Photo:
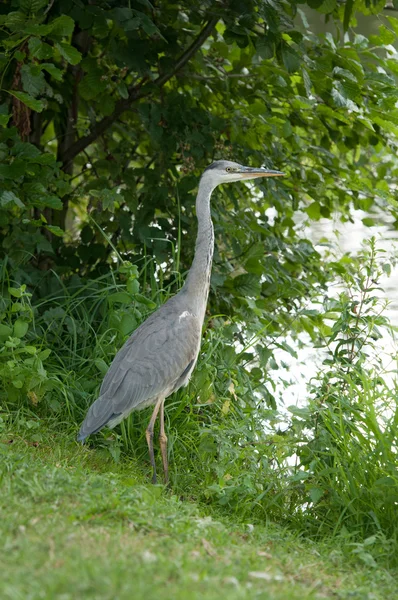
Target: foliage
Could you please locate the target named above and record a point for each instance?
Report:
(329, 468)
(348, 457)
(331, 465)
(21, 362)
(116, 132)
(74, 330)
(109, 112)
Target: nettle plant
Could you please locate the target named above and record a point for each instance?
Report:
(345, 438)
(334, 466)
(58, 348)
(113, 111)
(22, 355)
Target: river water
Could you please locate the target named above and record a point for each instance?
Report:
(344, 238)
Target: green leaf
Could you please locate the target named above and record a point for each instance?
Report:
(32, 6)
(303, 413)
(385, 37)
(37, 29)
(29, 101)
(20, 328)
(7, 197)
(314, 211)
(62, 26)
(92, 84)
(122, 14)
(55, 230)
(147, 25)
(26, 150)
(387, 269)
(4, 115)
(285, 346)
(33, 81)
(307, 82)
(51, 202)
(133, 286)
(108, 198)
(127, 324)
(15, 21)
(146, 3)
(119, 298)
(339, 98)
(101, 366)
(16, 292)
(107, 104)
(132, 24)
(229, 356)
(265, 47)
(5, 330)
(114, 450)
(368, 222)
(300, 476)
(290, 58)
(32, 350)
(39, 49)
(327, 6)
(52, 70)
(247, 284)
(14, 170)
(122, 90)
(351, 90)
(316, 494)
(68, 52)
(393, 20)
(144, 300)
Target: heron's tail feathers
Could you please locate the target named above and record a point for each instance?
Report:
(99, 414)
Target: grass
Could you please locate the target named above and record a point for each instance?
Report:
(75, 524)
(81, 522)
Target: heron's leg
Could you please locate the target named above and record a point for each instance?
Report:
(163, 445)
(149, 436)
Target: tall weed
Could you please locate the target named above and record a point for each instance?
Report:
(329, 467)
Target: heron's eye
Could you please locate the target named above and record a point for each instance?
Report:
(229, 169)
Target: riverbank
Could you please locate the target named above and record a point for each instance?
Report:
(77, 525)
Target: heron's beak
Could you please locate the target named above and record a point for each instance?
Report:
(251, 173)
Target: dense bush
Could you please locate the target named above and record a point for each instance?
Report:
(109, 112)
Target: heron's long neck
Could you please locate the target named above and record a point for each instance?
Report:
(198, 281)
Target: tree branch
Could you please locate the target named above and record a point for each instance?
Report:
(135, 94)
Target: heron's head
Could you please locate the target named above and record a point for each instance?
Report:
(224, 171)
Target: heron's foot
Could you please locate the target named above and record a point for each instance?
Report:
(163, 448)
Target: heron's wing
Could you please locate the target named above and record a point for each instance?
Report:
(154, 361)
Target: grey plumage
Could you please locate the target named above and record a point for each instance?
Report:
(153, 361)
(161, 354)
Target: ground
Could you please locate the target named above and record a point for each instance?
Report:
(76, 525)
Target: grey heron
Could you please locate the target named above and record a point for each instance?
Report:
(160, 355)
